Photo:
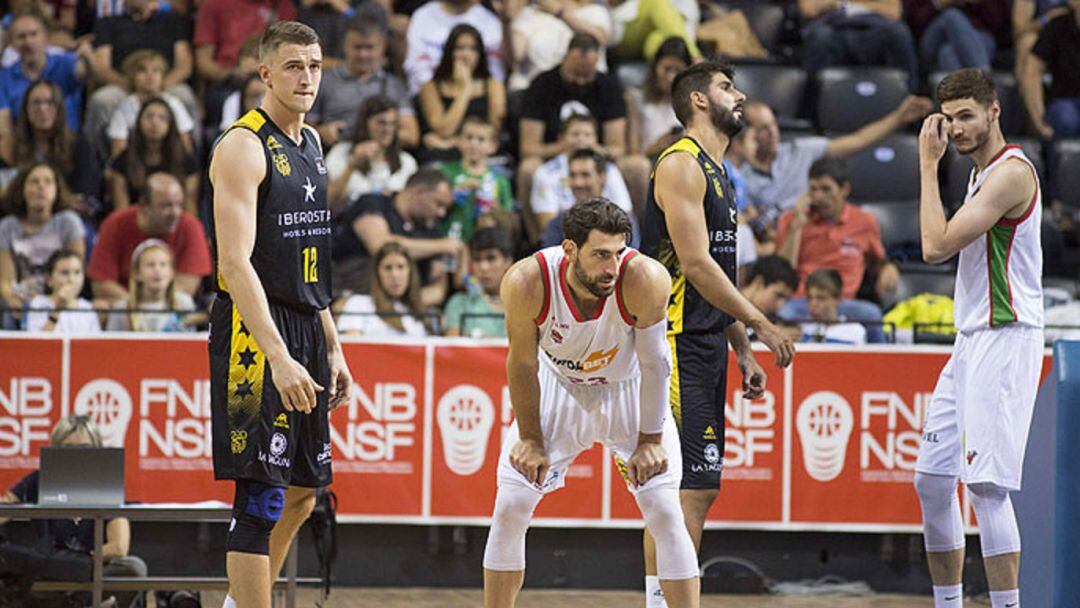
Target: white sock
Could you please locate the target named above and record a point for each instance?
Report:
(1005, 599)
(654, 595)
(229, 602)
(949, 596)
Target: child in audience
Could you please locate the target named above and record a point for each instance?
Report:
(393, 308)
(823, 300)
(151, 292)
(60, 309)
(477, 187)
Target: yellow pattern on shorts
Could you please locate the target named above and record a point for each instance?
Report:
(247, 367)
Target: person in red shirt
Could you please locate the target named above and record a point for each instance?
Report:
(825, 231)
(160, 214)
(222, 26)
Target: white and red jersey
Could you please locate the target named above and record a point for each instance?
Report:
(999, 278)
(594, 351)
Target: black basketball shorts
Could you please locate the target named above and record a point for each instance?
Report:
(698, 386)
(255, 437)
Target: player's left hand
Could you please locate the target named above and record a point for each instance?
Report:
(648, 460)
(340, 379)
(753, 377)
(934, 138)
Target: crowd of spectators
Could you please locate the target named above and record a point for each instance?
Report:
(458, 132)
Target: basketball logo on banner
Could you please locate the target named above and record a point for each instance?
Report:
(465, 415)
(824, 422)
(108, 404)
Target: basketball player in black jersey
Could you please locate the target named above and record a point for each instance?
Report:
(690, 225)
(276, 365)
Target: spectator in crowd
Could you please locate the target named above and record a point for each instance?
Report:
(1029, 17)
(575, 87)
(857, 32)
(67, 70)
(361, 75)
(551, 191)
(145, 71)
(246, 98)
(478, 311)
(641, 26)
(372, 160)
(331, 18)
(776, 170)
(410, 218)
(60, 309)
(160, 214)
(223, 26)
(769, 283)
(153, 302)
(1057, 52)
(824, 230)
(823, 301)
(430, 27)
(65, 552)
(142, 26)
(541, 31)
(477, 187)
(652, 122)
(462, 86)
(155, 146)
(42, 133)
(956, 34)
(587, 169)
(39, 224)
(395, 307)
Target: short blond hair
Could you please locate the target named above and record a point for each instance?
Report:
(285, 32)
(69, 425)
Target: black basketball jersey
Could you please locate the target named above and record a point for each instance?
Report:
(688, 311)
(292, 235)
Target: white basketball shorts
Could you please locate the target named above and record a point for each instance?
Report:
(980, 413)
(574, 417)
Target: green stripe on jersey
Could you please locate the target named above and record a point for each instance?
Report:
(999, 240)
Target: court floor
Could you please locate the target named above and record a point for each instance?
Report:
(470, 598)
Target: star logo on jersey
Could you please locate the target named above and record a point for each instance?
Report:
(309, 190)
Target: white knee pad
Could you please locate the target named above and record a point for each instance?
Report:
(997, 521)
(514, 506)
(943, 526)
(675, 555)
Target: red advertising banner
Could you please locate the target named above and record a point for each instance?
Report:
(832, 444)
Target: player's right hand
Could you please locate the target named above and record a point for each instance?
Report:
(529, 458)
(294, 384)
(777, 342)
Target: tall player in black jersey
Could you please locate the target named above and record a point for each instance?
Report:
(276, 365)
(690, 225)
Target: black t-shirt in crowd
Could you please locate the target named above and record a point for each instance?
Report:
(1059, 46)
(551, 100)
(125, 35)
(347, 244)
(67, 534)
(120, 165)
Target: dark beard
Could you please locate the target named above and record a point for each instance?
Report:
(980, 141)
(725, 120)
(593, 286)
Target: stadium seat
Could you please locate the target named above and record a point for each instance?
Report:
(766, 19)
(958, 170)
(780, 86)
(1012, 106)
(898, 220)
(1067, 172)
(849, 98)
(888, 170)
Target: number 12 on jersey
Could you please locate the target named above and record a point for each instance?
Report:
(311, 264)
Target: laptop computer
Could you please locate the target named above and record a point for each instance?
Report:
(81, 476)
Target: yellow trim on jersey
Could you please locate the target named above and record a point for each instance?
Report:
(675, 306)
(675, 390)
(683, 145)
(253, 120)
(247, 369)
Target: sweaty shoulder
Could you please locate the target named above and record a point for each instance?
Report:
(523, 287)
(1015, 179)
(646, 286)
(678, 176)
(238, 152)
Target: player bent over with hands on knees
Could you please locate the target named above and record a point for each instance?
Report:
(588, 362)
(977, 424)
